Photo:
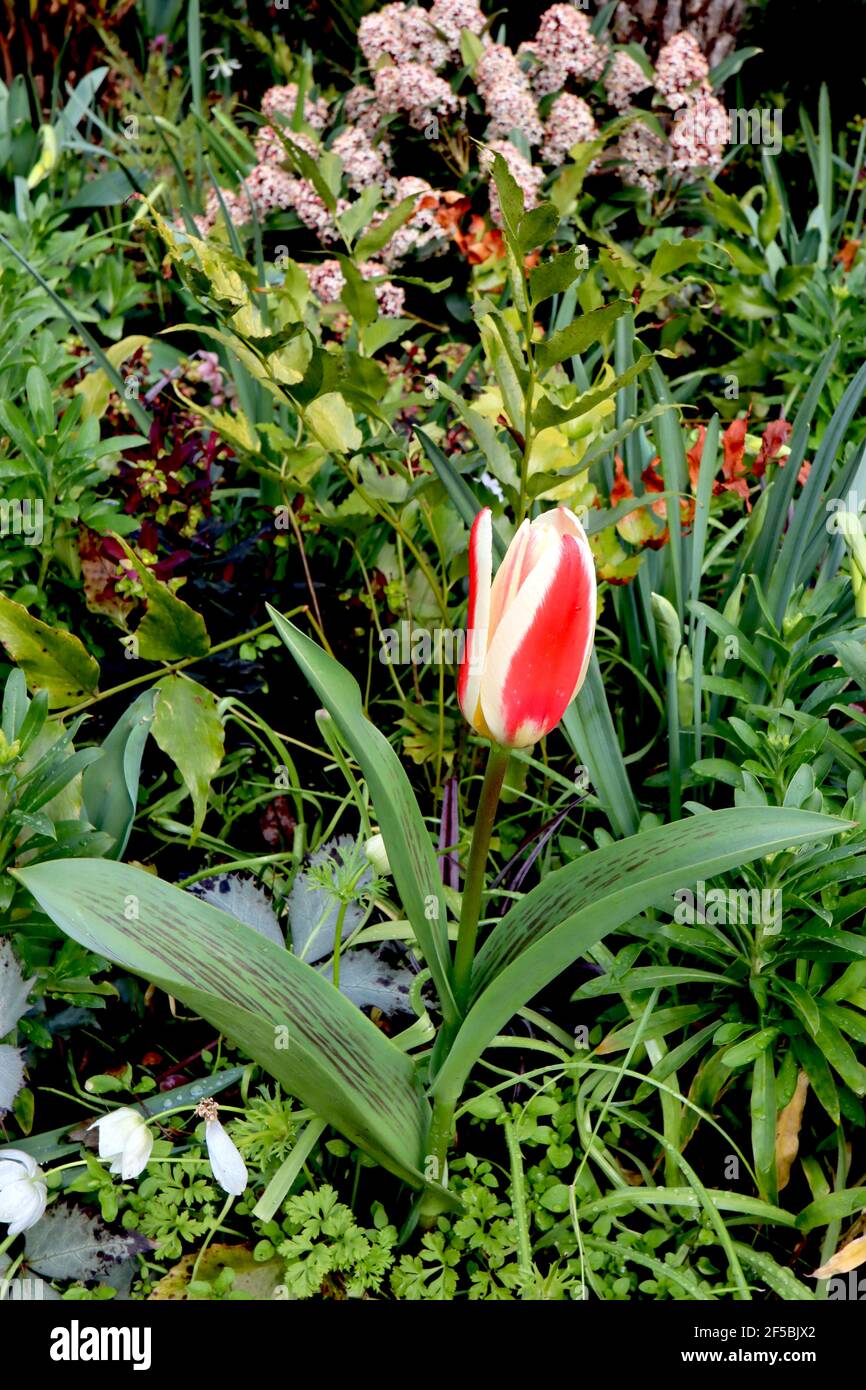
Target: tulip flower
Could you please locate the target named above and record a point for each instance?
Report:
(530, 629)
(228, 1167)
(23, 1192)
(125, 1139)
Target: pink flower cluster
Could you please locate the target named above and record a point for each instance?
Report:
(416, 91)
(283, 101)
(359, 108)
(645, 156)
(450, 17)
(409, 34)
(701, 130)
(363, 162)
(570, 122)
(507, 95)
(403, 34)
(681, 70)
(623, 79)
(327, 282)
(563, 47)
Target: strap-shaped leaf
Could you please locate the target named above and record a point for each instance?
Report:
(276, 1008)
(410, 850)
(575, 907)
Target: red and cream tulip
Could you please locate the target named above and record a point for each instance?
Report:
(530, 630)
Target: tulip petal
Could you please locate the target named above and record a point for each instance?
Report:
(509, 576)
(478, 617)
(538, 657)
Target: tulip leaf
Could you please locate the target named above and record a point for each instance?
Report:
(575, 907)
(278, 1010)
(109, 786)
(407, 841)
(588, 726)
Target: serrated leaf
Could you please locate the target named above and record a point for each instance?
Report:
(72, 1244)
(333, 423)
(14, 989)
(581, 334)
(245, 899)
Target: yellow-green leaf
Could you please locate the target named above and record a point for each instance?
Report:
(333, 423)
(50, 658)
(170, 629)
(188, 729)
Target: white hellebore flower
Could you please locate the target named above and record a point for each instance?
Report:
(228, 1167)
(23, 1193)
(125, 1139)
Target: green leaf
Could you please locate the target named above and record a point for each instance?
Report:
(51, 659)
(575, 907)
(359, 298)
(188, 729)
(277, 1009)
(333, 423)
(726, 210)
(671, 255)
(763, 1109)
(379, 236)
(770, 219)
(750, 302)
(537, 227)
(792, 279)
(39, 401)
(407, 840)
(836, 1206)
(548, 413)
(170, 629)
(499, 459)
(778, 1278)
(109, 787)
(510, 194)
(589, 728)
(579, 335)
(458, 490)
(554, 276)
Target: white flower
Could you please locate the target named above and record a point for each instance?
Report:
(125, 1139)
(23, 1193)
(223, 67)
(375, 850)
(228, 1167)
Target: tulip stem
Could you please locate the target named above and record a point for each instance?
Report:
(473, 886)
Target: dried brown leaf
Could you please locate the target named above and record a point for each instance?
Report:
(851, 1256)
(788, 1131)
